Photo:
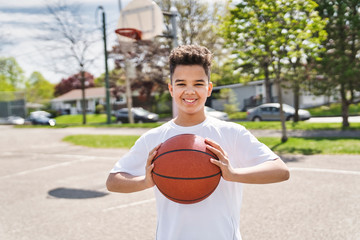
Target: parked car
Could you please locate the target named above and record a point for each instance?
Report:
(216, 114)
(41, 118)
(271, 112)
(140, 115)
(14, 120)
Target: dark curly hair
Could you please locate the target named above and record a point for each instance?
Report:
(190, 55)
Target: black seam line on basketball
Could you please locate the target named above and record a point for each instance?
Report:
(190, 200)
(189, 150)
(182, 178)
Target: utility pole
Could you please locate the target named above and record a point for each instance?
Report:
(108, 106)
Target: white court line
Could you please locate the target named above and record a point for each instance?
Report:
(84, 158)
(43, 168)
(56, 155)
(129, 205)
(322, 170)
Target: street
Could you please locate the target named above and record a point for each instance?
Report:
(51, 189)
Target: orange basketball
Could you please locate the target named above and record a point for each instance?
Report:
(183, 171)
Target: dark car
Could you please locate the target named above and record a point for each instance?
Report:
(41, 118)
(140, 115)
(271, 112)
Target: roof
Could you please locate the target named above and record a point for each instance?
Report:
(76, 94)
(237, 85)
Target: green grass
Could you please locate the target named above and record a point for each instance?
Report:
(310, 146)
(238, 115)
(102, 141)
(305, 146)
(333, 110)
(77, 119)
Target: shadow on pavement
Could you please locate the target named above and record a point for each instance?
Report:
(70, 193)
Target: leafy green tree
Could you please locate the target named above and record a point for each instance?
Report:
(341, 62)
(5, 86)
(232, 105)
(268, 35)
(38, 89)
(11, 75)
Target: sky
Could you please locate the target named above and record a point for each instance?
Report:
(21, 24)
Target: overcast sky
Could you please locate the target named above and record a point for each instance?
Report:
(21, 22)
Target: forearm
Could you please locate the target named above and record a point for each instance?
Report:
(267, 172)
(125, 183)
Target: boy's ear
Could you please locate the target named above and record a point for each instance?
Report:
(170, 89)
(210, 88)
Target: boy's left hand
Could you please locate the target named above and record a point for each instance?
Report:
(223, 163)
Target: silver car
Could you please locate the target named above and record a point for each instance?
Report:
(271, 112)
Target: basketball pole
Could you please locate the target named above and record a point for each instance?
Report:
(175, 44)
(173, 14)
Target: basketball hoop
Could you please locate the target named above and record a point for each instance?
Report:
(129, 33)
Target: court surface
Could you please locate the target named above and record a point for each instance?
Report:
(50, 189)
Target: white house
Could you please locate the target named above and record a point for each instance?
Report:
(253, 94)
(70, 102)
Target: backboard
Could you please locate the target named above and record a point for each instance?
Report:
(143, 15)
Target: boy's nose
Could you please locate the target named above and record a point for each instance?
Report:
(189, 90)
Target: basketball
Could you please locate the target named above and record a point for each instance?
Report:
(182, 169)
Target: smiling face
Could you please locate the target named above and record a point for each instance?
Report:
(190, 88)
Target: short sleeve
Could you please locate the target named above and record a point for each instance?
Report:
(253, 152)
(134, 161)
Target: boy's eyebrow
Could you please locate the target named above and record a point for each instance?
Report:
(179, 80)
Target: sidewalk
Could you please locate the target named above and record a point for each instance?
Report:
(301, 133)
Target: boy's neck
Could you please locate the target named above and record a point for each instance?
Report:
(186, 120)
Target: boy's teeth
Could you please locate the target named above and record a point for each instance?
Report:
(190, 101)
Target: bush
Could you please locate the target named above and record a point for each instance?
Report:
(99, 109)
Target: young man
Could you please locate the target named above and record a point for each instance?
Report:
(242, 158)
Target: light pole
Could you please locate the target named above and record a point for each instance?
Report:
(108, 106)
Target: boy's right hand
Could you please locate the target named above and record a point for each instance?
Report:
(149, 182)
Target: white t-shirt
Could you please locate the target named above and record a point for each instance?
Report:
(218, 216)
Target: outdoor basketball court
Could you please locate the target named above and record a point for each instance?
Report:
(54, 190)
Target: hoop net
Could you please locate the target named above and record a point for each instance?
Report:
(130, 33)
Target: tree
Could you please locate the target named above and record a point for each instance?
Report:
(38, 89)
(197, 22)
(340, 64)
(11, 75)
(116, 82)
(149, 59)
(270, 35)
(74, 82)
(70, 41)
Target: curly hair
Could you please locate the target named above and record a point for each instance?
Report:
(190, 55)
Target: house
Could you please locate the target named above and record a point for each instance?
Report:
(253, 94)
(70, 102)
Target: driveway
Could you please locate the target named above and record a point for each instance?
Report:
(50, 189)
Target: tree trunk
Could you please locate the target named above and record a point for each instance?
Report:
(83, 99)
(344, 107)
(284, 137)
(128, 92)
(296, 100)
(267, 84)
